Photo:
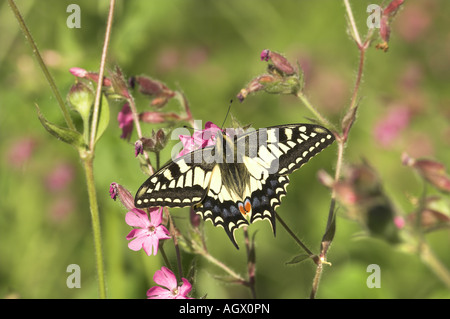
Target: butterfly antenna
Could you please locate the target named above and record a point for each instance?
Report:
(228, 112)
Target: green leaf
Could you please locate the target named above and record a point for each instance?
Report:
(103, 118)
(64, 134)
(329, 233)
(298, 259)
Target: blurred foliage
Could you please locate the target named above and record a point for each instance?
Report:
(210, 50)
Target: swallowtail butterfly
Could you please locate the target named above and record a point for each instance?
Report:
(240, 179)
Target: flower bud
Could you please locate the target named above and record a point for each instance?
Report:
(138, 148)
(151, 117)
(285, 85)
(82, 73)
(155, 143)
(161, 93)
(386, 18)
(430, 219)
(81, 98)
(279, 62)
(119, 84)
(432, 171)
(124, 195)
(125, 119)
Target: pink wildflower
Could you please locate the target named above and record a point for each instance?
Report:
(125, 119)
(166, 278)
(388, 128)
(199, 139)
(148, 232)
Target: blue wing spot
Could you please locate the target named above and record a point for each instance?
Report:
(256, 203)
(234, 210)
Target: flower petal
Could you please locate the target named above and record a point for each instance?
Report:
(166, 278)
(185, 288)
(137, 218)
(156, 217)
(159, 293)
(151, 244)
(137, 243)
(161, 232)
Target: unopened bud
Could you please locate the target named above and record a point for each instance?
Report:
(153, 144)
(125, 197)
(279, 62)
(81, 98)
(433, 171)
(119, 84)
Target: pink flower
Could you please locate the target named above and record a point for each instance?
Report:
(388, 128)
(199, 139)
(60, 177)
(166, 278)
(78, 72)
(21, 151)
(82, 73)
(148, 233)
(125, 119)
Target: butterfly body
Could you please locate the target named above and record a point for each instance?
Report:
(240, 179)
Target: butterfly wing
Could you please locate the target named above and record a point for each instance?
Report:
(283, 149)
(220, 207)
(280, 151)
(182, 182)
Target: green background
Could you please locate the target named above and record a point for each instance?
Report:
(210, 50)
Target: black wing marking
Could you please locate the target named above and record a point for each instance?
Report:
(180, 183)
(222, 210)
(283, 149)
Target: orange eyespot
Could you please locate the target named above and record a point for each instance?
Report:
(245, 207)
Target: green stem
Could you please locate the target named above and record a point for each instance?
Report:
(95, 219)
(341, 145)
(435, 264)
(297, 240)
(98, 94)
(251, 260)
(352, 24)
(316, 113)
(166, 260)
(42, 65)
(199, 249)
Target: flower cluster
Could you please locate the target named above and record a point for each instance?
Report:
(146, 234)
(387, 16)
(282, 77)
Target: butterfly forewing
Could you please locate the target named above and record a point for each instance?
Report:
(179, 183)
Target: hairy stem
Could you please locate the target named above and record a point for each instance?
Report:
(251, 263)
(42, 65)
(95, 220)
(101, 73)
(341, 140)
(316, 113)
